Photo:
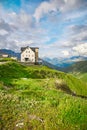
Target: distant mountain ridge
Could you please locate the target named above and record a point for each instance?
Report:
(10, 53)
(50, 65)
(64, 62)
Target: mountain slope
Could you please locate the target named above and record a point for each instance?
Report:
(80, 66)
(50, 65)
(40, 98)
(14, 70)
(79, 69)
(64, 62)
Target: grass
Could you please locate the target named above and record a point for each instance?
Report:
(6, 59)
(82, 76)
(79, 69)
(29, 99)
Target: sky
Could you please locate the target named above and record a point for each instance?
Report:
(57, 27)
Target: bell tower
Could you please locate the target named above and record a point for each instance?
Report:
(36, 54)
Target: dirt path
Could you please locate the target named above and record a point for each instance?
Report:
(3, 62)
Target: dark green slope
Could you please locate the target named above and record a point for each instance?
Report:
(79, 69)
(13, 70)
(80, 66)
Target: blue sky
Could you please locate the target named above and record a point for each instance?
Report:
(57, 27)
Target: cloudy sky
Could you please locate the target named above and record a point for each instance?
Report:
(57, 27)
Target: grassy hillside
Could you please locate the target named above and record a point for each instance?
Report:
(39, 98)
(80, 66)
(83, 76)
(79, 69)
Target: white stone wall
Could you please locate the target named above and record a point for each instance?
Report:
(4, 55)
(28, 53)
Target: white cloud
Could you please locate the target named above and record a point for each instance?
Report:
(62, 6)
(46, 7)
(21, 20)
(74, 35)
(81, 49)
(20, 30)
(3, 32)
(65, 53)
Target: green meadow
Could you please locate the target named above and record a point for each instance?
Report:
(40, 98)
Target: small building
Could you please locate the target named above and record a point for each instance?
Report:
(29, 54)
(2, 55)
